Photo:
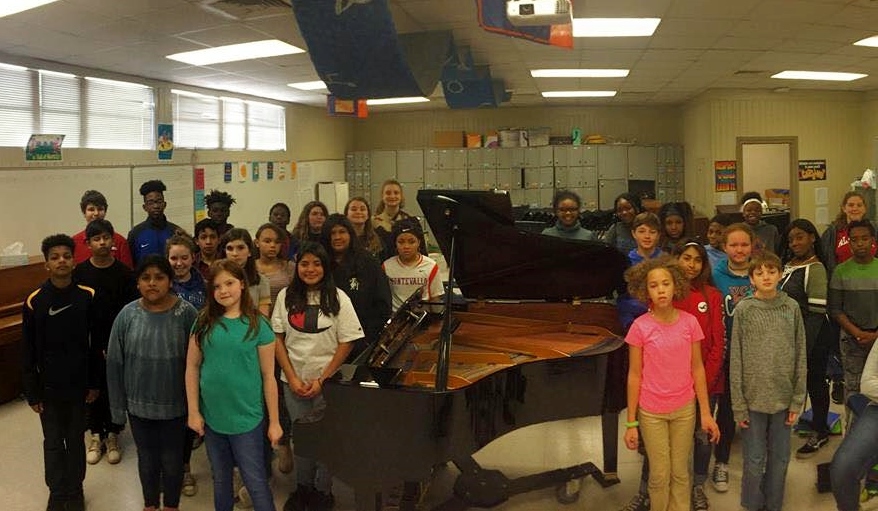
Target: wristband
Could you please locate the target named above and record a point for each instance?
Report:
(632, 424)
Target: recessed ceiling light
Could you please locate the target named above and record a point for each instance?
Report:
(579, 94)
(236, 52)
(315, 85)
(9, 7)
(614, 27)
(819, 75)
(579, 73)
(395, 101)
(869, 41)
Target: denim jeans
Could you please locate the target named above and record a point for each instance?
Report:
(63, 422)
(766, 456)
(703, 447)
(309, 472)
(246, 450)
(854, 457)
(668, 439)
(159, 458)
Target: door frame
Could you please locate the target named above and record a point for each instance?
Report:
(793, 144)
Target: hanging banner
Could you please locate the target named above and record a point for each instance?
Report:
(44, 148)
(726, 175)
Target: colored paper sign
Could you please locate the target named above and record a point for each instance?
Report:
(269, 171)
(812, 170)
(227, 172)
(242, 172)
(44, 148)
(726, 175)
(166, 141)
(255, 173)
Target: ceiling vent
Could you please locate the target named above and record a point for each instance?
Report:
(243, 10)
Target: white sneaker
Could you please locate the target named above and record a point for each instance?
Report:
(190, 486)
(720, 478)
(93, 453)
(114, 454)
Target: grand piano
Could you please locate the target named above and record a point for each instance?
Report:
(535, 343)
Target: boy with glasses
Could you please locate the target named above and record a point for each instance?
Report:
(150, 236)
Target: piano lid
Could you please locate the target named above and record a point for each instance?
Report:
(497, 260)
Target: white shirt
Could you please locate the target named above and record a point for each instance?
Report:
(405, 279)
(311, 337)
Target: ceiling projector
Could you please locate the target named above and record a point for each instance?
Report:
(530, 13)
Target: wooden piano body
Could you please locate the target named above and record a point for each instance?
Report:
(512, 363)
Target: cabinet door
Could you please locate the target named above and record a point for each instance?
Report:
(581, 177)
(561, 155)
(410, 165)
(562, 178)
(510, 158)
(583, 155)
(350, 162)
(489, 158)
(452, 158)
(609, 189)
(678, 156)
(641, 163)
(474, 158)
(612, 162)
(532, 178)
(547, 177)
(458, 179)
(489, 179)
(509, 179)
(532, 197)
(517, 197)
(532, 157)
(431, 158)
(365, 160)
(546, 197)
(589, 197)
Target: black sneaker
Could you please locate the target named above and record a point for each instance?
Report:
(699, 499)
(300, 499)
(837, 393)
(814, 443)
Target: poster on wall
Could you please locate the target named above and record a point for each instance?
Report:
(269, 171)
(44, 148)
(812, 170)
(227, 172)
(166, 141)
(726, 175)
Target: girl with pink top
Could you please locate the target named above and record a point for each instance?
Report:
(665, 377)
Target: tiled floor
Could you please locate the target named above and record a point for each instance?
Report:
(529, 450)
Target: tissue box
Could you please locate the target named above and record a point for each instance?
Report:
(13, 260)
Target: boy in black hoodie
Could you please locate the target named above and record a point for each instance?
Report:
(59, 373)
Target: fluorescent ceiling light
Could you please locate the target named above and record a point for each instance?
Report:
(10, 7)
(395, 101)
(614, 27)
(819, 75)
(315, 85)
(579, 94)
(579, 73)
(869, 41)
(236, 52)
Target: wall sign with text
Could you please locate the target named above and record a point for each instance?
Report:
(812, 170)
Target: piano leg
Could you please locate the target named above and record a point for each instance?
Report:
(610, 428)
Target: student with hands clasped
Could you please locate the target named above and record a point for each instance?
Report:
(316, 325)
(767, 371)
(229, 384)
(665, 377)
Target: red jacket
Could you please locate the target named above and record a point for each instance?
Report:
(709, 313)
(121, 251)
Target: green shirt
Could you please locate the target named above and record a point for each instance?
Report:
(854, 291)
(231, 379)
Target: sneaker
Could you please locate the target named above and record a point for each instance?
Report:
(285, 459)
(699, 499)
(299, 500)
(814, 443)
(837, 393)
(94, 452)
(114, 455)
(640, 502)
(190, 486)
(720, 477)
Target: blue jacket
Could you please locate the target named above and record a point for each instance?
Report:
(149, 237)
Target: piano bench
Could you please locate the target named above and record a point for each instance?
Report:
(10, 352)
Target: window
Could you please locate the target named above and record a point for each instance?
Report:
(60, 106)
(266, 127)
(118, 115)
(209, 122)
(196, 120)
(17, 121)
(234, 124)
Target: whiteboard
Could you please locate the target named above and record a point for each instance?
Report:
(38, 202)
(179, 196)
(253, 199)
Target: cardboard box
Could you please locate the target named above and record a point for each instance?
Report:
(449, 139)
(473, 140)
(538, 136)
(511, 138)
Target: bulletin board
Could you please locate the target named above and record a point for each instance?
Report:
(36, 202)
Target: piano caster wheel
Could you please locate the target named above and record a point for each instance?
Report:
(568, 493)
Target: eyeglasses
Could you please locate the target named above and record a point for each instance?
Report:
(568, 210)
